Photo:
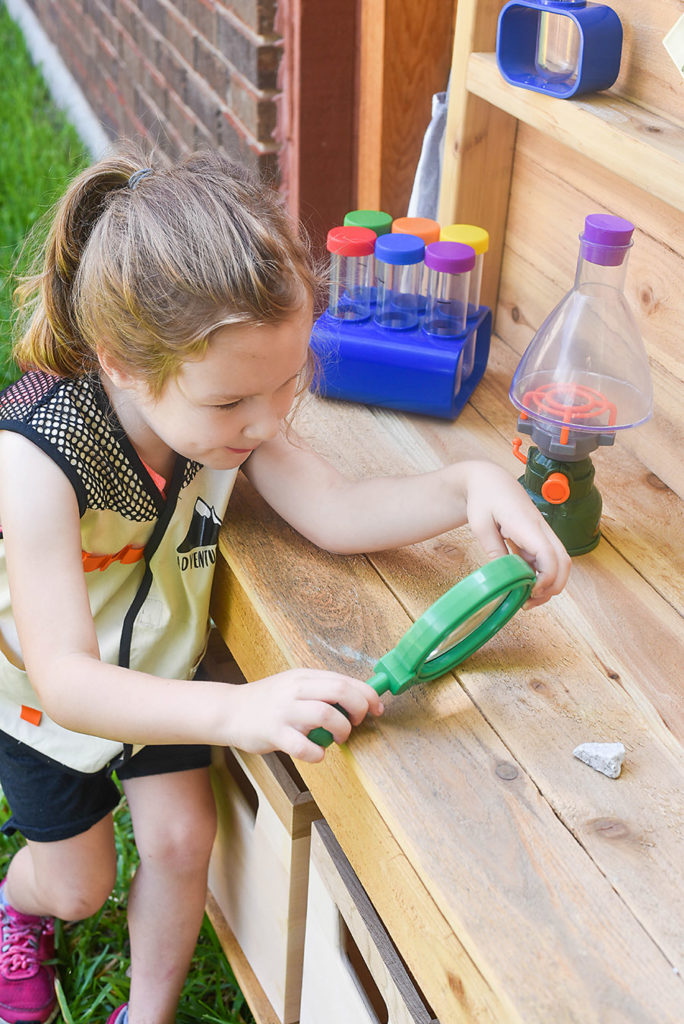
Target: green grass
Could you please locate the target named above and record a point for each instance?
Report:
(39, 153)
(93, 957)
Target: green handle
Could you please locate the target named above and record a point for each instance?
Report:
(322, 736)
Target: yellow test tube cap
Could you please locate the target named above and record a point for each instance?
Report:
(468, 234)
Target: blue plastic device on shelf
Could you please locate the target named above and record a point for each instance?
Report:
(408, 370)
(559, 47)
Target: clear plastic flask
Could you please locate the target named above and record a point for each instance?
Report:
(351, 264)
(399, 271)
(586, 368)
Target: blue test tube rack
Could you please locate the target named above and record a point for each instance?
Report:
(406, 370)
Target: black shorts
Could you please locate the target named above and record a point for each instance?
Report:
(50, 802)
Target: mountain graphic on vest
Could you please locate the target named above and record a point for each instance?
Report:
(204, 529)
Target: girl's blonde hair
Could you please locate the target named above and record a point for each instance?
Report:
(145, 270)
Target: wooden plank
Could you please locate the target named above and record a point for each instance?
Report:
(291, 801)
(258, 877)
(563, 693)
(543, 171)
(262, 1010)
(451, 981)
(352, 628)
(404, 59)
(369, 168)
(364, 982)
(243, 625)
(431, 761)
(647, 74)
(642, 147)
(506, 867)
(478, 147)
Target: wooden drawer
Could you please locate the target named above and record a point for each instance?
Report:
(259, 870)
(352, 971)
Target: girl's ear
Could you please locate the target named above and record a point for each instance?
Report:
(119, 377)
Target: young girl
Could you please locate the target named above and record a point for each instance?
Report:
(165, 343)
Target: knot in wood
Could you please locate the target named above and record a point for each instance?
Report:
(609, 828)
(654, 481)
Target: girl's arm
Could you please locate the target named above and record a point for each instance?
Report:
(378, 513)
(40, 520)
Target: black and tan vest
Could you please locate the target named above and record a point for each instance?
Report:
(148, 559)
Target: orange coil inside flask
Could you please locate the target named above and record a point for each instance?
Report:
(574, 404)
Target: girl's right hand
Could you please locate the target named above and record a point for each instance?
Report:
(278, 713)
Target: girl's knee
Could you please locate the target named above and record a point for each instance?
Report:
(78, 899)
(182, 844)
(72, 877)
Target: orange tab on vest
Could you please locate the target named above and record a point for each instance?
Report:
(30, 715)
(126, 556)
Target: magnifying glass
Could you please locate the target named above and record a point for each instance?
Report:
(451, 629)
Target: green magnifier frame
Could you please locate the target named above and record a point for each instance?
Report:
(451, 629)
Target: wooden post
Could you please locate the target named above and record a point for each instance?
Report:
(478, 146)
(404, 59)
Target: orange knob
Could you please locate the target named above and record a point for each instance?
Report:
(517, 441)
(556, 488)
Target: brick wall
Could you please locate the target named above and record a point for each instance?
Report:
(181, 74)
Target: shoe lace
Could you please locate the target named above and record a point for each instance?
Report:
(20, 942)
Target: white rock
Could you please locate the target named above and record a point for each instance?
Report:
(604, 757)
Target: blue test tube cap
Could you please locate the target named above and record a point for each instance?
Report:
(400, 250)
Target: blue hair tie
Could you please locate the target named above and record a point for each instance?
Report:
(138, 176)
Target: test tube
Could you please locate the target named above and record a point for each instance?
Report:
(478, 239)
(351, 252)
(423, 227)
(558, 44)
(449, 265)
(379, 222)
(376, 220)
(399, 269)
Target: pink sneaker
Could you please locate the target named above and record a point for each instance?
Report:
(27, 984)
(115, 1016)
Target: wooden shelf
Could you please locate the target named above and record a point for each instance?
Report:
(645, 149)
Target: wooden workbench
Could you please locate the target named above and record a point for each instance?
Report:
(518, 884)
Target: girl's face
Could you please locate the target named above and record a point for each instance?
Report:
(221, 407)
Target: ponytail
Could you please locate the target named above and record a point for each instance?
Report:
(51, 339)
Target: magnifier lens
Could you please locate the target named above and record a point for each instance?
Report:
(452, 628)
(466, 628)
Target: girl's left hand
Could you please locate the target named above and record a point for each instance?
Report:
(503, 518)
